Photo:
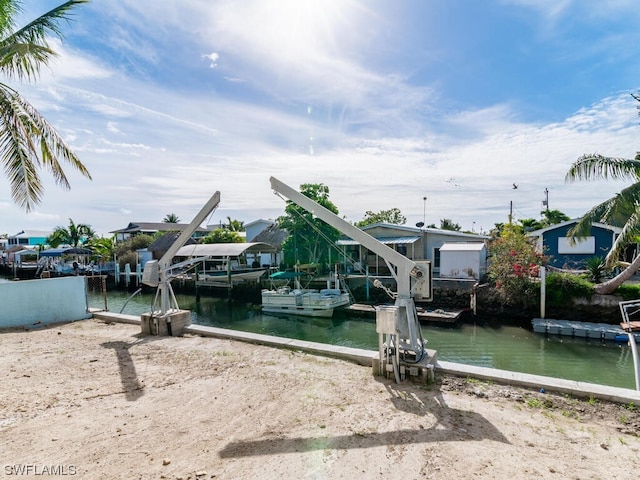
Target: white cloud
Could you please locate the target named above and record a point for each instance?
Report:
(213, 57)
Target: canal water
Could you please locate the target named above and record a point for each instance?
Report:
(507, 348)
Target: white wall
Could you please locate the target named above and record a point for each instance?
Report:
(25, 303)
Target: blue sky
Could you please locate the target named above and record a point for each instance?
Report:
(385, 102)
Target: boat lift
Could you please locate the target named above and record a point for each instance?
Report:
(628, 309)
(404, 351)
(169, 319)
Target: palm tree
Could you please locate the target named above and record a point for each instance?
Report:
(235, 225)
(28, 143)
(171, 218)
(623, 209)
(102, 247)
(74, 235)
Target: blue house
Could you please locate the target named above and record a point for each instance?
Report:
(554, 243)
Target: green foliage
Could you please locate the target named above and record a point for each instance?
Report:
(597, 268)
(104, 248)
(552, 217)
(127, 250)
(514, 265)
(171, 218)
(448, 224)
(310, 239)
(393, 216)
(562, 288)
(223, 235)
(549, 217)
(628, 291)
(73, 235)
(234, 225)
(29, 143)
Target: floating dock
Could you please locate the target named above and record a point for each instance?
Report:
(436, 316)
(599, 331)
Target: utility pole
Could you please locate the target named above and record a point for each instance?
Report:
(545, 202)
(424, 211)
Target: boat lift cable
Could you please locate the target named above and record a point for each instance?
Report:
(374, 282)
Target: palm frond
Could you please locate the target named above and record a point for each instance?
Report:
(628, 235)
(27, 144)
(598, 167)
(24, 51)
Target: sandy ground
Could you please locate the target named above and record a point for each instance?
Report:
(100, 401)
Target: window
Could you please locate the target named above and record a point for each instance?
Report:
(582, 246)
(436, 257)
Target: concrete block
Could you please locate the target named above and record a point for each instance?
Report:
(171, 324)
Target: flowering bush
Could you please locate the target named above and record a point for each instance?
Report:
(514, 266)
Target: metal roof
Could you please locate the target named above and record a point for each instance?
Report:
(385, 240)
(222, 249)
(462, 247)
(58, 252)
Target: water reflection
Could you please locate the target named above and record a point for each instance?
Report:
(507, 348)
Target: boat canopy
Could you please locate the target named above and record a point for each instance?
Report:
(223, 249)
(58, 252)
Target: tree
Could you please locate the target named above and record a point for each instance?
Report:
(102, 247)
(623, 209)
(127, 251)
(310, 239)
(514, 261)
(392, 216)
(549, 217)
(223, 235)
(552, 217)
(235, 225)
(29, 142)
(447, 224)
(171, 218)
(74, 235)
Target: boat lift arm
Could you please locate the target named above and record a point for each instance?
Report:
(404, 267)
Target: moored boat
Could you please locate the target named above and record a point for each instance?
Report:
(299, 301)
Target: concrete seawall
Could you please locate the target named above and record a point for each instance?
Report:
(367, 357)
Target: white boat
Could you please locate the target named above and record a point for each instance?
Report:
(309, 303)
(214, 278)
(299, 301)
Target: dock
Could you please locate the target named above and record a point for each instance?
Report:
(436, 316)
(599, 331)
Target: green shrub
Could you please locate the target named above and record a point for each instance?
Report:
(596, 268)
(561, 288)
(628, 291)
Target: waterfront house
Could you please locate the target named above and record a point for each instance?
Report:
(29, 238)
(412, 242)
(554, 242)
(266, 231)
(151, 228)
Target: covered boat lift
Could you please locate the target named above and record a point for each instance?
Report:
(226, 274)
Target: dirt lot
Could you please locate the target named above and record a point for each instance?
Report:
(99, 401)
